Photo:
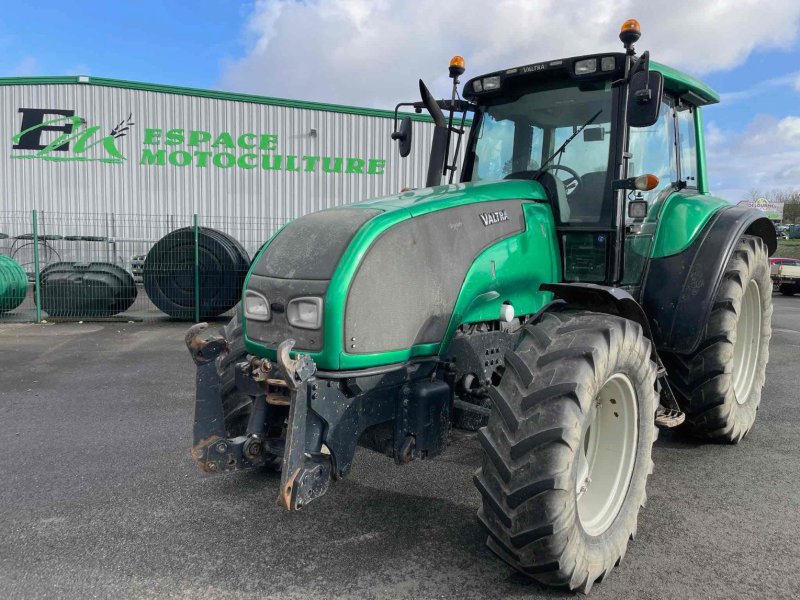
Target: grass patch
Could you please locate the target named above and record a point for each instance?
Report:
(788, 249)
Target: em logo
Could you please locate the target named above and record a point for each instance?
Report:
(74, 141)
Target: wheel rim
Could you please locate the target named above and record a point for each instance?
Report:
(748, 343)
(607, 455)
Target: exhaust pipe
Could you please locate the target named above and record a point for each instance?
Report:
(440, 136)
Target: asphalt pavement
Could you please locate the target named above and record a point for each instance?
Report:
(100, 498)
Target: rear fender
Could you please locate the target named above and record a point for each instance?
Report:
(679, 289)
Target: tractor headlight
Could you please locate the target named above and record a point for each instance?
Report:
(586, 66)
(491, 83)
(608, 63)
(256, 306)
(487, 84)
(305, 313)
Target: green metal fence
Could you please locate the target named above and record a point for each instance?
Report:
(101, 266)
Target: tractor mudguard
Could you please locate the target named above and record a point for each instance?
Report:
(616, 301)
(603, 299)
(678, 290)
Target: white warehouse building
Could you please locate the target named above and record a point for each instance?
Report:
(118, 158)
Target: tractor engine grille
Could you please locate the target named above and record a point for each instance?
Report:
(300, 261)
(406, 287)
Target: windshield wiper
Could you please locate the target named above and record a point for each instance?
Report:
(567, 141)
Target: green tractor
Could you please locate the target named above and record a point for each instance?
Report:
(577, 288)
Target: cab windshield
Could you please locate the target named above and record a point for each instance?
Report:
(518, 134)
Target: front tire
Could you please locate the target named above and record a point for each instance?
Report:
(567, 450)
(719, 385)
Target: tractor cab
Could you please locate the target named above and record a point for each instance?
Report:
(557, 123)
(552, 123)
(610, 137)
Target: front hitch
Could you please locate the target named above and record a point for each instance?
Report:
(203, 350)
(306, 466)
(305, 474)
(212, 450)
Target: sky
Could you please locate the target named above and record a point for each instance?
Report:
(371, 53)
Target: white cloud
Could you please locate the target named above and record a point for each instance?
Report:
(791, 80)
(26, 67)
(789, 130)
(371, 52)
(766, 155)
(714, 136)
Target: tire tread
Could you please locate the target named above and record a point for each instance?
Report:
(532, 434)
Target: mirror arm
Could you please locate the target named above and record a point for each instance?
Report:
(396, 110)
(645, 95)
(642, 63)
(451, 112)
(458, 106)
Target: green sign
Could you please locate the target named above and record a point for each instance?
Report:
(171, 147)
(198, 148)
(74, 142)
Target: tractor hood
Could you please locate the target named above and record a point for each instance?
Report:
(420, 201)
(378, 281)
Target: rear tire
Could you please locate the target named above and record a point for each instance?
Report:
(719, 385)
(788, 289)
(540, 449)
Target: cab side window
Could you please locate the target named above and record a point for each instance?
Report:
(507, 146)
(653, 151)
(687, 145)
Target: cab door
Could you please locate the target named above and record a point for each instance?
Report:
(651, 150)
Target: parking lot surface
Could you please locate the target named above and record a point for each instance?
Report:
(100, 497)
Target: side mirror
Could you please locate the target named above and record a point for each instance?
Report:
(403, 136)
(644, 98)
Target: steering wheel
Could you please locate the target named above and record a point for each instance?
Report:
(572, 183)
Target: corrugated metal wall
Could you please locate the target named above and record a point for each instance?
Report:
(255, 194)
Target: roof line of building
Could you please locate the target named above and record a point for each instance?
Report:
(202, 93)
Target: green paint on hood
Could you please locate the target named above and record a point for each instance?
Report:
(407, 205)
(424, 200)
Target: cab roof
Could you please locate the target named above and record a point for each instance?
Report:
(677, 83)
(685, 86)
